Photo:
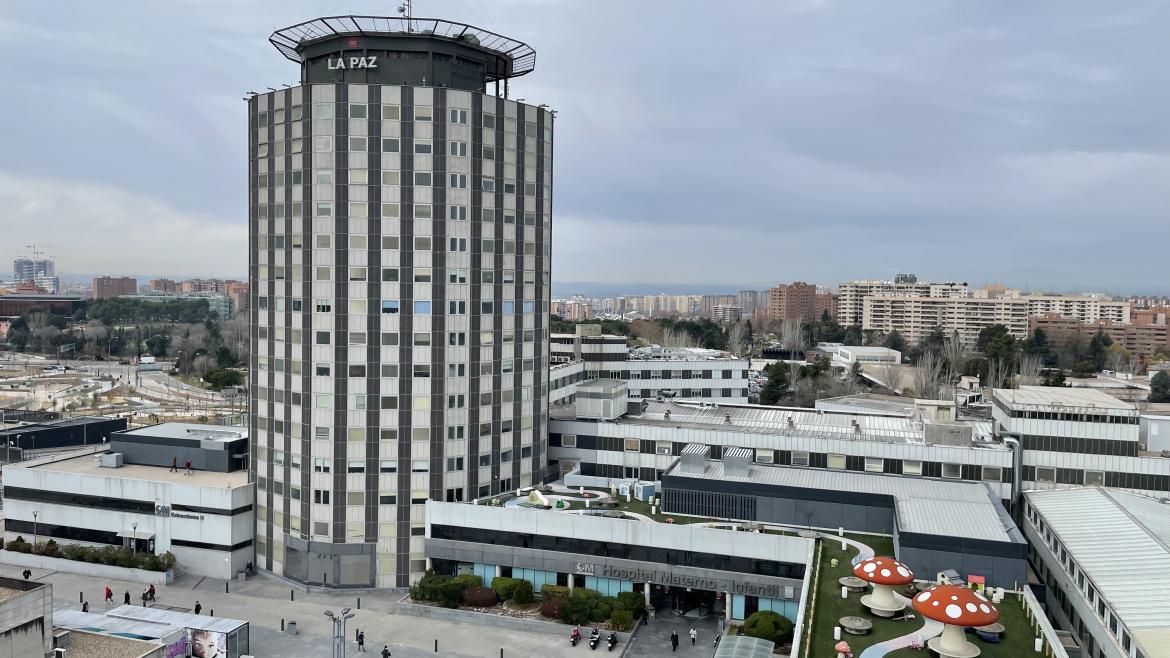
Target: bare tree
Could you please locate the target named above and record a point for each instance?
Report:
(953, 354)
(1030, 367)
(674, 338)
(997, 372)
(928, 376)
(737, 342)
(792, 336)
(891, 375)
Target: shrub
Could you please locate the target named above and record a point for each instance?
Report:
(768, 625)
(480, 597)
(554, 591)
(450, 594)
(19, 545)
(468, 580)
(505, 586)
(633, 601)
(522, 593)
(427, 587)
(552, 607)
(575, 610)
(622, 620)
(74, 552)
(50, 549)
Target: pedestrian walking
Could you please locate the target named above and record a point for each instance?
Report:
(189, 469)
(144, 598)
(694, 635)
(85, 606)
(385, 651)
(109, 595)
(126, 600)
(361, 642)
(198, 607)
(174, 464)
(27, 574)
(673, 641)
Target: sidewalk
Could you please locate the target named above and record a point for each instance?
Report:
(264, 602)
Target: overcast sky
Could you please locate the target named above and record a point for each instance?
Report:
(740, 143)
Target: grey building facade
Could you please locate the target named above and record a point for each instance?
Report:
(399, 286)
(750, 571)
(936, 525)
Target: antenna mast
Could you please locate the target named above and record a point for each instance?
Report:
(404, 9)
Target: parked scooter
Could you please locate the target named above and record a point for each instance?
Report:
(594, 638)
(574, 636)
(612, 640)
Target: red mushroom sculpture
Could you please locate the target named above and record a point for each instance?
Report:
(957, 608)
(884, 573)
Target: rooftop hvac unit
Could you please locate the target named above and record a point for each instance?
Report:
(111, 460)
(645, 491)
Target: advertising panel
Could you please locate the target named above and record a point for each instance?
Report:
(208, 644)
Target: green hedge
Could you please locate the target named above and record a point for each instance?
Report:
(768, 625)
(554, 591)
(622, 620)
(117, 556)
(506, 587)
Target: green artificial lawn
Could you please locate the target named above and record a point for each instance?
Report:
(1015, 642)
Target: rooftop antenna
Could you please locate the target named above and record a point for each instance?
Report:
(404, 9)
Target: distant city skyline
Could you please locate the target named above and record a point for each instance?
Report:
(1024, 146)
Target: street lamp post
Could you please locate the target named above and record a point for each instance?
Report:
(35, 514)
(134, 538)
(339, 630)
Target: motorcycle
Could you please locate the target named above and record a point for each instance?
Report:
(612, 640)
(574, 636)
(594, 638)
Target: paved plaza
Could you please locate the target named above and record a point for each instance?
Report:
(264, 602)
(653, 639)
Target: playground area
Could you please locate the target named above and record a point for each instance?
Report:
(889, 636)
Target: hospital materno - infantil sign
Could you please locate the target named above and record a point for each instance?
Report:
(664, 576)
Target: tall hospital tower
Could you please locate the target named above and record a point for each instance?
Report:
(399, 230)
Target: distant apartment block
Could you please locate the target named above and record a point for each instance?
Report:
(1084, 308)
(727, 314)
(915, 317)
(799, 301)
(164, 285)
(851, 296)
(106, 287)
(1140, 340)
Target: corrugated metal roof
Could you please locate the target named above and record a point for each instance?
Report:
(1122, 543)
(180, 619)
(90, 621)
(1047, 396)
(924, 505)
(783, 421)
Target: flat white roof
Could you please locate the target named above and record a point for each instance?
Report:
(1057, 396)
(191, 431)
(1122, 543)
(88, 463)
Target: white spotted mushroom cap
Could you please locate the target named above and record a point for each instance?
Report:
(883, 571)
(956, 605)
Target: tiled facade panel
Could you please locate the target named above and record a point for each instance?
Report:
(399, 260)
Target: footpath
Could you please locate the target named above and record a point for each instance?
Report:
(265, 603)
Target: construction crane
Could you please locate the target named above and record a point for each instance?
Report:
(37, 252)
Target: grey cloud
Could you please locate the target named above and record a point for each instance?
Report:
(762, 140)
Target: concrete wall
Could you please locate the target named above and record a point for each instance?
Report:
(27, 620)
(99, 571)
(1010, 573)
(24, 640)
